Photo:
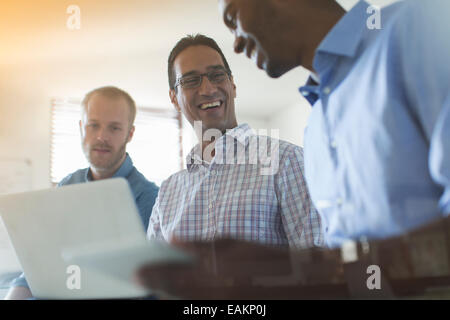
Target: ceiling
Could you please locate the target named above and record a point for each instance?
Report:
(128, 33)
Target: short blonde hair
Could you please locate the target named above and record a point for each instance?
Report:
(113, 93)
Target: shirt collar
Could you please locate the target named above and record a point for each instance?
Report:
(345, 37)
(238, 134)
(310, 90)
(343, 40)
(123, 171)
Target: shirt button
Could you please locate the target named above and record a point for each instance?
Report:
(339, 201)
(213, 172)
(333, 144)
(327, 90)
(305, 93)
(349, 251)
(210, 205)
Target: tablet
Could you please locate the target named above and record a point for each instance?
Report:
(121, 258)
(81, 241)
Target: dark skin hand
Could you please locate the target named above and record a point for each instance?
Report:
(227, 269)
(233, 269)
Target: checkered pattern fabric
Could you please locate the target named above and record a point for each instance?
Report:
(238, 196)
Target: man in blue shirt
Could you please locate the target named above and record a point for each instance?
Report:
(106, 128)
(376, 136)
(377, 144)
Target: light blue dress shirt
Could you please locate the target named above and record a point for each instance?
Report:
(144, 192)
(377, 143)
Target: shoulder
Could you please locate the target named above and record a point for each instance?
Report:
(285, 149)
(284, 157)
(418, 33)
(289, 148)
(75, 177)
(291, 156)
(177, 179)
(417, 18)
(140, 183)
(394, 20)
(427, 9)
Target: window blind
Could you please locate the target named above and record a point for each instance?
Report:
(156, 148)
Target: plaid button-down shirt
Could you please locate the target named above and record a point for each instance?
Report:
(243, 200)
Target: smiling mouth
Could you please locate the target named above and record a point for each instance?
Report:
(210, 105)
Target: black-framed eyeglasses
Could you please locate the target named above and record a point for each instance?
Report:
(194, 81)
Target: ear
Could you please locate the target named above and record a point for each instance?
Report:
(80, 123)
(131, 133)
(174, 99)
(234, 86)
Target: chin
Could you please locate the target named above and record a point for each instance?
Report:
(273, 74)
(275, 70)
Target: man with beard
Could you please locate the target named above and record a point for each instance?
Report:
(106, 127)
(377, 150)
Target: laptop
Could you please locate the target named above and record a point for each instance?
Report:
(82, 241)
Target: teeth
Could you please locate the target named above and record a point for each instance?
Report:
(210, 105)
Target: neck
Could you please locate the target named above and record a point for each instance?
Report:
(100, 174)
(324, 15)
(208, 146)
(210, 153)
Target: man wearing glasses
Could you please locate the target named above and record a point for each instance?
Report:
(227, 190)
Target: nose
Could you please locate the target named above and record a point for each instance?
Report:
(206, 87)
(102, 134)
(239, 44)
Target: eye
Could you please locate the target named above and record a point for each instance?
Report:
(217, 76)
(189, 81)
(115, 128)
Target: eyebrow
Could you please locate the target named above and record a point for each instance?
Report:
(109, 123)
(209, 68)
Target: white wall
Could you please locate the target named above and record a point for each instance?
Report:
(253, 121)
(25, 123)
(291, 121)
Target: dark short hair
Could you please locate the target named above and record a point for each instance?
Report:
(189, 41)
(113, 93)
